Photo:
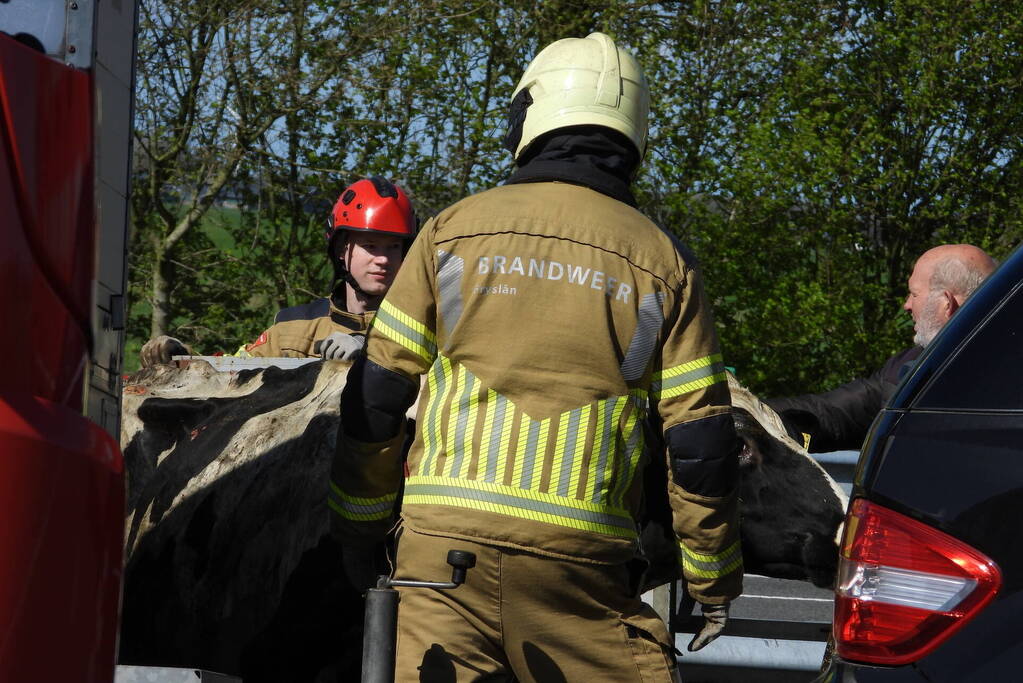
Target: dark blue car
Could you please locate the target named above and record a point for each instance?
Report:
(931, 568)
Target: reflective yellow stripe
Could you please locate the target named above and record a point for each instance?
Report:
(590, 453)
(467, 410)
(712, 566)
(631, 450)
(504, 447)
(681, 379)
(539, 454)
(568, 451)
(450, 442)
(499, 427)
(430, 436)
(360, 509)
(520, 503)
(692, 365)
(598, 444)
(487, 415)
(521, 451)
(405, 331)
(692, 386)
(607, 457)
(442, 374)
(578, 453)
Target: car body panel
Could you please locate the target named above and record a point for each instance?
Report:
(948, 451)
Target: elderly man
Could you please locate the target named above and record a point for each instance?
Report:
(367, 237)
(942, 279)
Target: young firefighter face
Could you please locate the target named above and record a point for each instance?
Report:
(373, 260)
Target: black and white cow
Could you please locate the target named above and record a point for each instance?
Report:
(230, 565)
(791, 508)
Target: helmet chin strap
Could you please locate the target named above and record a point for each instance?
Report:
(341, 273)
(354, 285)
(343, 277)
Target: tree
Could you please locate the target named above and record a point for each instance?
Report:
(817, 150)
(215, 80)
(807, 152)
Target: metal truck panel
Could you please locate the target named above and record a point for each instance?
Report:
(113, 70)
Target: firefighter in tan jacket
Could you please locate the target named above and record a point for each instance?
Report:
(369, 231)
(550, 319)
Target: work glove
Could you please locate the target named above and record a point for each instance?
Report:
(159, 350)
(341, 346)
(714, 618)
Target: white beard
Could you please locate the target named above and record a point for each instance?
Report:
(928, 324)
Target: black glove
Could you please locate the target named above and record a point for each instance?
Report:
(714, 618)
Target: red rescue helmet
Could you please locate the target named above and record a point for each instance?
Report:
(372, 205)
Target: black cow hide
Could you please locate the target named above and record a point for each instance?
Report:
(791, 509)
(230, 566)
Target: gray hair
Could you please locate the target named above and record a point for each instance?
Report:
(956, 276)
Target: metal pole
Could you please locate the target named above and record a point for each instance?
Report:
(379, 635)
(380, 628)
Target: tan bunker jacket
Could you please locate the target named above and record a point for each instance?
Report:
(297, 329)
(551, 322)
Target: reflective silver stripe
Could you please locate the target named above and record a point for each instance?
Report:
(534, 505)
(528, 454)
(500, 408)
(572, 433)
(607, 436)
(461, 409)
(668, 383)
(354, 507)
(648, 325)
(712, 566)
(449, 286)
(353, 511)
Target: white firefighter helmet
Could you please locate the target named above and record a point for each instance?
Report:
(579, 82)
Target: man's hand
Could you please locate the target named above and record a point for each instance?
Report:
(341, 346)
(714, 618)
(159, 350)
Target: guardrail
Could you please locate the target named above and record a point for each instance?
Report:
(776, 631)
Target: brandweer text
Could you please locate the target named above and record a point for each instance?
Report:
(553, 270)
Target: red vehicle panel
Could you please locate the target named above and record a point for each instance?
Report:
(48, 226)
(61, 475)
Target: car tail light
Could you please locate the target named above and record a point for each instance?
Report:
(904, 587)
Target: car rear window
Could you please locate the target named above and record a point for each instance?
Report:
(986, 373)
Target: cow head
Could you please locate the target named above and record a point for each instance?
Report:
(791, 509)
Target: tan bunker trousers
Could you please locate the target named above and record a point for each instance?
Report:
(523, 617)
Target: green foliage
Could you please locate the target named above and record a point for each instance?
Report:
(807, 152)
(815, 150)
